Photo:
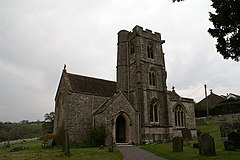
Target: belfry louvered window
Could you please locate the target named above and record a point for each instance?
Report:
(152, 78)
(150, 51)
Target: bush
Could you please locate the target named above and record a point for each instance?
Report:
(47, 127)
(96, 136)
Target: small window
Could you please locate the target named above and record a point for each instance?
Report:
(153, 111)
(132, 49)
(150, 51)
(152, 80)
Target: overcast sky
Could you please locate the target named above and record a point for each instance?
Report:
(37, 37)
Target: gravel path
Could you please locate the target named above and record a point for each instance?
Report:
(135, 153)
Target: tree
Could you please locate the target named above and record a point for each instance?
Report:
(226, 22)
(48, 123)
(49, 117)
(96, 135)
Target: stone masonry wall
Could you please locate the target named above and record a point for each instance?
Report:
(190, 114)
(190, 117)
(79, 113)
(218, 119)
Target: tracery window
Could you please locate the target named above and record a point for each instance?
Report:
(180, 116)
(152, 78)
(153, 111)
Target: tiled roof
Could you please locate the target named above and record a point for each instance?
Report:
(173, 95)
(83, 84)
(211, 100)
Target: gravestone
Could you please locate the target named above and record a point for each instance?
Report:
(235, 138)
(66, 144)
(20, 148)
(186, 134)
(229, 146)
(198, 133)
(101, 147)
(110, 147)
(7, 145)
(238, 130)
(195, 145)
(225, 129)
(177, 144)
(206, 145)
(236, 125)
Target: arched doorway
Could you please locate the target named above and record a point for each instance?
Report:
(120, 129)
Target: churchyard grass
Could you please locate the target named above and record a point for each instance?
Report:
(36, 152)
(165, 150)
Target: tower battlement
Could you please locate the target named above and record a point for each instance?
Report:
(125, 35)
(147, 33)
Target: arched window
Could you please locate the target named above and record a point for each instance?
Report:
(150, 51)
(180, 116)
(152, 78)
(153, 111)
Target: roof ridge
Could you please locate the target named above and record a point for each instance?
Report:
(74, 74)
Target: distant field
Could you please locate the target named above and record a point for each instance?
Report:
(33, 125)
(14, 131)
(190, 153)
(35, 152)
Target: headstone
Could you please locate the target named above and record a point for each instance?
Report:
(225, 129)
(60, 136)
(66, 144)
(110, 147)
(195, 145)
(198, 133)
(236, 125)
(7, 145)
(206, 145)
(229, 146)
(177, 144)
(235, 138)
(20, 148)
(186, 134)
(238, 130)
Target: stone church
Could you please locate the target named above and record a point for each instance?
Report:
(137, 108)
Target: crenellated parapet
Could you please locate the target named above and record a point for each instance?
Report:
(124, 35)
(147, 33)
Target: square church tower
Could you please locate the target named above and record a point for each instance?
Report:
(141, 75)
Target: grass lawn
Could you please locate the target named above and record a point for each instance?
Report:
(165, 150)
(37, 153)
